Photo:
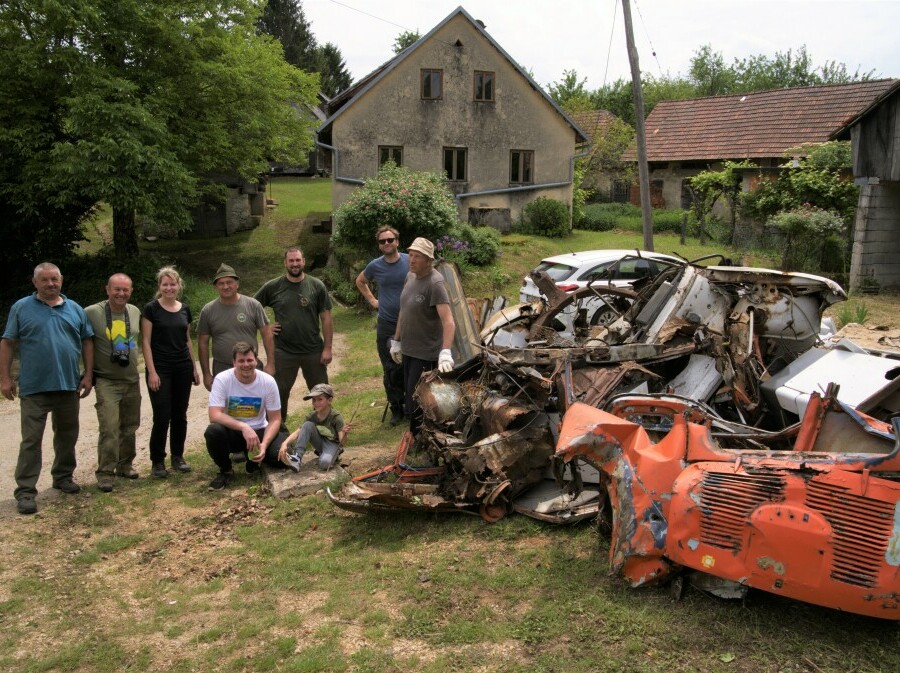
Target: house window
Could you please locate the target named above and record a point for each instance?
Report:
(455, 163)
(484, 85)
(390, 153)
(521, 166)
(432, 84)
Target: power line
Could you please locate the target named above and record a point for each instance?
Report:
(647, 34)
(612, 30)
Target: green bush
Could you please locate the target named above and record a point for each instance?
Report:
(546, 217)
(668, 221)
(483, 242)
(340, 287)
(598, 217)
(415, 204)
(811, 239)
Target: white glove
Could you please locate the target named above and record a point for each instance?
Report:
(396, 355)
(445, 361)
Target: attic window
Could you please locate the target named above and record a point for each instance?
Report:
(458, 43)
(432, 84)
(484, 85)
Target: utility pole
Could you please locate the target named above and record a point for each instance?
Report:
(640, 131)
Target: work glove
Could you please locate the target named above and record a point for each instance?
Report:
(396, 355)
(445, 361)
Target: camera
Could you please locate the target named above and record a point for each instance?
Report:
(121, 357)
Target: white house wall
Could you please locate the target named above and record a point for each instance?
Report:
(392, 113)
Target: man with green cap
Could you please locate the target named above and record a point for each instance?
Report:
(231, 318)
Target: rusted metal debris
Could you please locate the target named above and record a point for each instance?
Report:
(705, 385)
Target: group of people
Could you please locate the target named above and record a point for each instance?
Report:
(248, 400)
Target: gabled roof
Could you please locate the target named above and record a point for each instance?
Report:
(593, 122)
(350, 95)
(756, 125)
(844, 132)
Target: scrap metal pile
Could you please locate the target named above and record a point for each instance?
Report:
(724, 435)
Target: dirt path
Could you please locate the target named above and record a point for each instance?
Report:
(86, 449)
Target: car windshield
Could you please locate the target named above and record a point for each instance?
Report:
(557, 272)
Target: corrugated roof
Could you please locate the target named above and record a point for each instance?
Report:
(754, 125)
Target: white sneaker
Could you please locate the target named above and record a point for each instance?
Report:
(292, 461)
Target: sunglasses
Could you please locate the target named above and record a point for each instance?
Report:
(386, 240)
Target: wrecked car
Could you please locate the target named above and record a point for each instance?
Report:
(695, 418)
(811, 512)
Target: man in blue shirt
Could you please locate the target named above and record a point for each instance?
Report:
(389, 273)
(54, 336)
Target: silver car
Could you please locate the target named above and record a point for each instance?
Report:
(599, 269)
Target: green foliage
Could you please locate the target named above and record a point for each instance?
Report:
(142, 102)
(605, 159)
(600, 217)
(405, 39)
(852, 311)
(545, 217)
(812, 239)
(570, 92)
(708, 187)
(415, 204)
(340, 287)
(483, 244)
(820, 179)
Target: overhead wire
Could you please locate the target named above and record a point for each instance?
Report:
(647, 34)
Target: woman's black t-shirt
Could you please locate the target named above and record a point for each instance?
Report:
(168, 340)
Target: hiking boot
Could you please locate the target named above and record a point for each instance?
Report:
(159, 471)
(396, 417)
(127, 473)
(220, 481)
(179, 464)
(67, 486)
(105, 484)
(293, 460)
(26, 504)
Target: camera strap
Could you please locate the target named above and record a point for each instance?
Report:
(127, 326)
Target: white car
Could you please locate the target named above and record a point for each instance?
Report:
(599, 269)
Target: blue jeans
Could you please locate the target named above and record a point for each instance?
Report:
(327, 450)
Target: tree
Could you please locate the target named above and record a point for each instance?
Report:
(285, 21)
(147, 104)
(333, 73)
(570, 92)
(405, 39)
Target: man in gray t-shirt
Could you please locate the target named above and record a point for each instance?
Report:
(231, 318)
(425, 326)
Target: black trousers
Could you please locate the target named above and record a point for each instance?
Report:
(221, 442)
(413, 368)
(170, 404)
(392, 378)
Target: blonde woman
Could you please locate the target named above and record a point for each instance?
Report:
(171, 369)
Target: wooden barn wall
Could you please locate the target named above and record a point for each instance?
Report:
(875, 263)
(876, 142)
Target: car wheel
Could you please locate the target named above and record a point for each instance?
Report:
(603, 317)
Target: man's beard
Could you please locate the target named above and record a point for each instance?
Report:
(295, 272)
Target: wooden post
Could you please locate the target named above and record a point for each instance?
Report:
(640, 133)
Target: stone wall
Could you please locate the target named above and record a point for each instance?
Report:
(875, 263)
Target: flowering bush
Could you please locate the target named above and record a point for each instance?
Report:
(415, 204)
(451, 248)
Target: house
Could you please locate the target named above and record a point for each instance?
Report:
(875, 135)
(605, 186)
(455, 101)
(686, 137)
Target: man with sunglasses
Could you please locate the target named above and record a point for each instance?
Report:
(389, 273)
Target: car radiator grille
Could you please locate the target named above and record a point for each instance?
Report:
(862, 527)
(727, 500)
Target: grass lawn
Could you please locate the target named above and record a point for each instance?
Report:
(166, 576)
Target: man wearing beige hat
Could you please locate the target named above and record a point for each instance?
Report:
(425, 326)
(231, 318)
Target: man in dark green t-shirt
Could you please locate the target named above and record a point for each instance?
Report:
(303, 325)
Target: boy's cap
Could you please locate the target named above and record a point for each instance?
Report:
(424, 246)
(319, 389)
(225, 271)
